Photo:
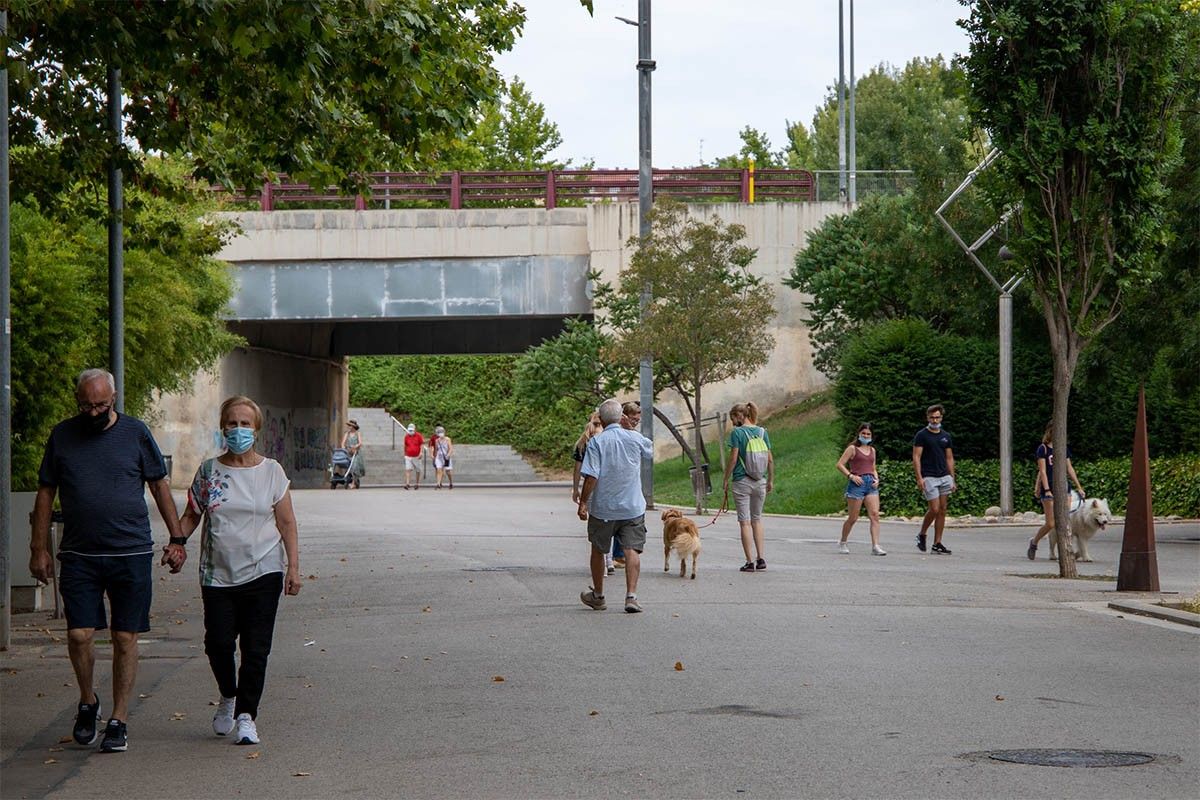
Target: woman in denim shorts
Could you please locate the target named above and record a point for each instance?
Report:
(862, 487)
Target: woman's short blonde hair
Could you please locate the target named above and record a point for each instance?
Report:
(241, 400)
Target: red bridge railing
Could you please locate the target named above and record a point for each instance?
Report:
(542, 188)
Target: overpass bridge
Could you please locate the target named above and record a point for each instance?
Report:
(315, 285)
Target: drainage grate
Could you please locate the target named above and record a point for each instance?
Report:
(1072, 758)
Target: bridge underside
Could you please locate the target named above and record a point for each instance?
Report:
(454, 336)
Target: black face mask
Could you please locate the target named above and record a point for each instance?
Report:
(97, 423)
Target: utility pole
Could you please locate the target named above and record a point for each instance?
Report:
(645, 66)
(5, 367)
(853, 130)
(116, 242)
(842, 192)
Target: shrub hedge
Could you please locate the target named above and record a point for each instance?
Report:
(1175, 485)
(891, 371)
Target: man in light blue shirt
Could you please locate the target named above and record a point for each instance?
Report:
(612, 503)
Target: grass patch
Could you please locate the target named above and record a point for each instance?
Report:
(806, 446)
(1192, 605)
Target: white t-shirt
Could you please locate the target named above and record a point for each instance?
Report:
(240, 542)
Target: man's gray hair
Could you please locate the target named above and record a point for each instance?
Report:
(610, 412)
(89, 375)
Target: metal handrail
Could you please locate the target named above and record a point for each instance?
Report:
(540, 187)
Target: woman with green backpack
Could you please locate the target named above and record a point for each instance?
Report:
(751, 468)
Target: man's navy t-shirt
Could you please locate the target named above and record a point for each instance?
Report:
(933, 452)
(101, 479)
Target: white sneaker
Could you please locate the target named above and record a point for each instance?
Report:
(876, 550)
(223, 720)
(844, 548)
(247, 733)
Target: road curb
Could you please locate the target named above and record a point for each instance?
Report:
(1156, 611)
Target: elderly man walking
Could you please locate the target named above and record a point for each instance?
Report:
(612, 503)
(99, 463)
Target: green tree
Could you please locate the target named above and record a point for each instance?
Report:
(319, 89)
(1082, 100)
(708, 312)
(914, 118)
(800, 152)
(572, 367)
(175, 290)
(755, 145)
(513, 134)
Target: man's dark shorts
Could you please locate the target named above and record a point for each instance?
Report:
(84, 580)
(630, 532)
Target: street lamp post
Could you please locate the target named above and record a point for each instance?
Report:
(1005, 322)
(645, 66)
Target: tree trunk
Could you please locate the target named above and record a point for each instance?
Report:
(687, 449)
(699, 483)
(1064, 363)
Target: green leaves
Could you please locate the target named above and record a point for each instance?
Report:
(319, 89)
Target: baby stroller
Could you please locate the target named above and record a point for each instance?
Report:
(341, 469)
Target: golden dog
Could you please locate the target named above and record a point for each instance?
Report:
(681, 535)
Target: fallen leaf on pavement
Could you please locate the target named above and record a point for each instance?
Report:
(498, 679)
(56, 749)
(50, 761)
(301, 774)
(41, 694)
(427, 608)
(255, 754)
(212, 702)
(593, 713)
(178, 715)
(999, 697)
(679, 666)
(343, 560)
(144, 696)
(64, 739)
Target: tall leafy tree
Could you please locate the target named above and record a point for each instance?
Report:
(1083, 100)
(708, 314)
(175, 292)
(755, 145)
(320, 89)
(512, 133)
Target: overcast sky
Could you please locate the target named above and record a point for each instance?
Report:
(721, 65)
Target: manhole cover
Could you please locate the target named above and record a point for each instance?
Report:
(1072, 758)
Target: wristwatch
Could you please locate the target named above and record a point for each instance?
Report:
(180, 540)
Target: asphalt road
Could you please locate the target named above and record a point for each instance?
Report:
(439, 649)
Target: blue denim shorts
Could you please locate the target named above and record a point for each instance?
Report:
(869, 486)
(127, 580)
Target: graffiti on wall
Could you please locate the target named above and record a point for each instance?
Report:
(296, 438)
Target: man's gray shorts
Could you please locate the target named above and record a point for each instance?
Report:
(936, 487)
(630, 532)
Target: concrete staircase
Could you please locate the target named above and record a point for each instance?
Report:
(473, 463)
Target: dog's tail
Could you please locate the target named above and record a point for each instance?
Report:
(686, 544)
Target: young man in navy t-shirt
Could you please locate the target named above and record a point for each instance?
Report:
(933, 462)
(99, 463)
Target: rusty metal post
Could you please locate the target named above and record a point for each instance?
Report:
(267, 200)
(551, 192)
(456, 189)
(1139, 561)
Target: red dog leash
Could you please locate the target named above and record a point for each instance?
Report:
(724, 507)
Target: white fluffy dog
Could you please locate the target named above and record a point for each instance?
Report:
(1091, 517)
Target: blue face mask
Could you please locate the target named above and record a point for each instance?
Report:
(935, 426)
(239, 440)
(864, 440)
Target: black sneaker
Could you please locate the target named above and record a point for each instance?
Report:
(760, 565)
(939, 548)
(747, 567)
(116, 739)
(85, 722)
(921, 542)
